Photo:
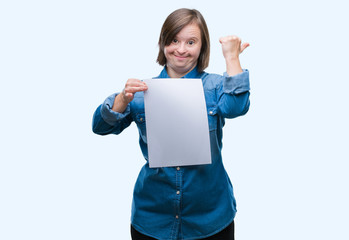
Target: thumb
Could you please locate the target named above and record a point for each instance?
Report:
(244, 46)
(127, 96)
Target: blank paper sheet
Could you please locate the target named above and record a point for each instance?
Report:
(176, 123)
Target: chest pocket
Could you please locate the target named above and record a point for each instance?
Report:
(140, 121)
(212, 118)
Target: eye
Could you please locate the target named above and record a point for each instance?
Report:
(175, 41)
(191, 42)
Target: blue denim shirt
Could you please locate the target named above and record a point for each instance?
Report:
(188, 202)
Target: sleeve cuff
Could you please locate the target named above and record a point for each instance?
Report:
(236, 84)
(108, 115)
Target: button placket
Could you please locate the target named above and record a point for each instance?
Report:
(177, 203)
(178, 191)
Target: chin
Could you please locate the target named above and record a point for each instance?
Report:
(183, 69)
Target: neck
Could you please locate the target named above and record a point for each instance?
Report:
(177, 74)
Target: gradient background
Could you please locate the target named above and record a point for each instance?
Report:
(287, 158)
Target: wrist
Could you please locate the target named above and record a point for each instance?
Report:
(232, 58)
(233, 66)
(122, 98)
(120, 103)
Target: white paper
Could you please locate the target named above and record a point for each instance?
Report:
(176, 123)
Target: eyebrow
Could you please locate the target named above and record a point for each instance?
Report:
(189, 38)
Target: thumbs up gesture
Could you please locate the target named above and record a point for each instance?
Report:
(231, 46)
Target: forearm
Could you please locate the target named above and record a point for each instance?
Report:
(120, 104)
(106, 121)
(233, 66)
(99, 126)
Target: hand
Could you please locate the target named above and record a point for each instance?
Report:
(231, 46)
(131, 87)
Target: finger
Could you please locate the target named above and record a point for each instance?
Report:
(135, 84)
(135, 89)
(244, 46)
(225, 39)
(133, 81)
(129, 95)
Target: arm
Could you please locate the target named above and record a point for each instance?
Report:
(231, 47)
(234, 92)
(123, 99)
(113, 116)
(106, 121)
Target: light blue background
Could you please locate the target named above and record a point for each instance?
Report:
(287, 158)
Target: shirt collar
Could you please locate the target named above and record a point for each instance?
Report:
(192, 74)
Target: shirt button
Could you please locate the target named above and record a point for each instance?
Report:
(178, 192)
(211, 112)
(178, 168)
(177, 216)
(141, 119)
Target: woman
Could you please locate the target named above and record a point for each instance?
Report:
(187, 202)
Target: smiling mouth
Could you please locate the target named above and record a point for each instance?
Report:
(180, 57)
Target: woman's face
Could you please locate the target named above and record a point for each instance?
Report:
(183, 52)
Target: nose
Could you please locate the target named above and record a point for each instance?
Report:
(181, 48)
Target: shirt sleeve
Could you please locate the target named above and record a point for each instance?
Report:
(238, 83)
(106, 121)
(233, 95)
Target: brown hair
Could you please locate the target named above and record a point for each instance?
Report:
(174, 23)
